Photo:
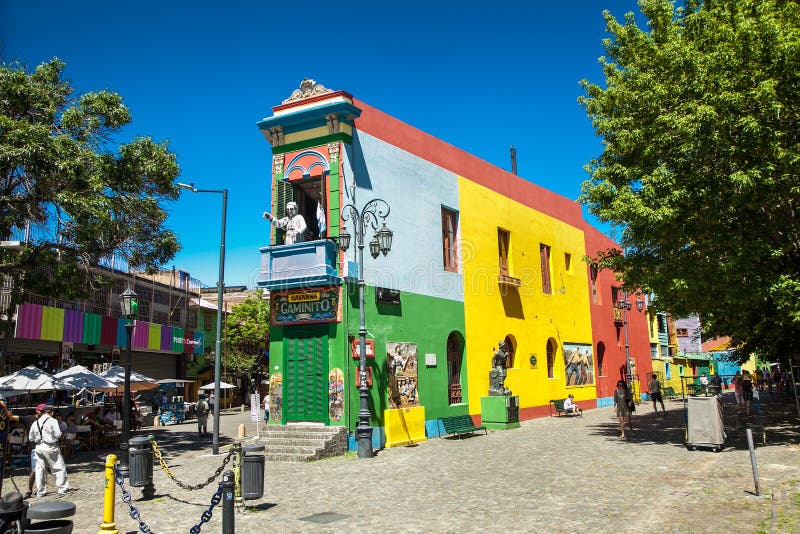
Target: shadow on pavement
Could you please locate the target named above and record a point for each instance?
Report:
(773, 422)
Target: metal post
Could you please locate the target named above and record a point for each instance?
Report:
(218, 358)
(363, 430)
(126, 405)
(108, 526)
(368, 216)
(625, 304)
(753, 458)
(228, 488)
(220, 288)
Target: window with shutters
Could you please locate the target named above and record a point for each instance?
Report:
(544, 255)
(449, 233)
(503, 243)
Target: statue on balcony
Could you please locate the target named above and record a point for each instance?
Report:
(497, 376)
(293, 223)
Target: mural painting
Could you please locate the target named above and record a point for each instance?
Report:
(578, 364)
(335, 394)
(401, 361)
(276, 397)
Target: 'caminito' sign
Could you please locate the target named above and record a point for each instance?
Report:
(305, 306)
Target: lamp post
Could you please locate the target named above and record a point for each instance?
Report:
(380, 243)
(220, 286)
(625, 306)
(130, 309)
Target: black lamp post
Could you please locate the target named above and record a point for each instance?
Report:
(380, 243)
(625, 306)
(130, 309)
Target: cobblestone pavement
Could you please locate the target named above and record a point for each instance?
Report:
(552, 475)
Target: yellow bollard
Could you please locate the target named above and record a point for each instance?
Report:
(241, 431)
(108, 526)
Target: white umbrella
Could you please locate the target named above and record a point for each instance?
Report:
(116, 374)
(80, 377)
(222, 385)
(31, 379)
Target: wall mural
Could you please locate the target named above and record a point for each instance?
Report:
(401, 361)
(336, 394)
(276, 397)
(578, 364)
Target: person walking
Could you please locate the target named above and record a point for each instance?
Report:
(747, 390)
(45, 433)
(202, 416)
(623, 403)
(655, 393)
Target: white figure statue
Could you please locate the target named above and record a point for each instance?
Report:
(293, 223)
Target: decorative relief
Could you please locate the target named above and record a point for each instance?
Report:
(333, 123)
(333, 151)
(276, 134)
(308, 89)
(277, 163)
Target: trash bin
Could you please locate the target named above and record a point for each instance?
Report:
(252, 472)
(53, 526)
(140, 462)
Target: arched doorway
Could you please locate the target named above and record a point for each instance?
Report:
(511, 348)
(455, 355)
(601, 355)
(551, 357)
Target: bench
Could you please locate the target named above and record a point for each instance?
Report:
(558, 406)
(668, 393)
(460, 424)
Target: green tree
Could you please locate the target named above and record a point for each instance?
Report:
(88, 196)
(700, 169)
(246, 334)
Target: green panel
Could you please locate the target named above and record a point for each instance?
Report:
(426, 321)
(177, 333)
(310, 143)
(305, 376)
(284, 193)
(92, 323)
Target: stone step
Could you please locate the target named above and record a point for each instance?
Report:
(286, 457)
(295, 449)
(296, 435)
(301, 443)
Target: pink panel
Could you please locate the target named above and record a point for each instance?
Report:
(29, 321)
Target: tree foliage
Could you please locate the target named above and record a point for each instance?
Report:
(89, 198)
(700, 169)
(246, 334)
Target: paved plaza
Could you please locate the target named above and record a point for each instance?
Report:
(552, 475)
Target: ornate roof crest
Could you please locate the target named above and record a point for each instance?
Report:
(308, 88)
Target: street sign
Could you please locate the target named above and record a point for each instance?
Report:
(255, 407)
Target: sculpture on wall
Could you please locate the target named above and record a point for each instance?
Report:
(497, 376)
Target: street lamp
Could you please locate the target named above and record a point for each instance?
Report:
(380, 243)
(625, 306)
(129, 307)
(220, 286)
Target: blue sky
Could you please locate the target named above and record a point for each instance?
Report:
(480, 75)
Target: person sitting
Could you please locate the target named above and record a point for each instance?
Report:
(570, 407)
(93, 419)
(111, 416)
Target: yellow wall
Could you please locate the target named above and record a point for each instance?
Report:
(529, 315)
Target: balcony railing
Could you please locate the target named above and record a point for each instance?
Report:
(307, 264)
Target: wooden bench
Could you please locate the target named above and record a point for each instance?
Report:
(558, 406)
(460, 424)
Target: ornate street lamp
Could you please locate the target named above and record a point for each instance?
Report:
(625, 306)
(220, 286)
(380, 243)
(129, 307)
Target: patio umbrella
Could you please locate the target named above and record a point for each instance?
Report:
(139, 382)
(222, 385)
(80, 377)
(31, 379)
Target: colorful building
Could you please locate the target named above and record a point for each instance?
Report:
(479, 256)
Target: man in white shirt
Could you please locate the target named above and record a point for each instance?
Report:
(293, 223)
(45, 433)
(570, 407)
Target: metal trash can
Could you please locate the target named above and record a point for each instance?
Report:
(140, 462)
(252, 472)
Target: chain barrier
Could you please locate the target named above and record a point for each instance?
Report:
(126, 498)
(206, 516)
(190, 487)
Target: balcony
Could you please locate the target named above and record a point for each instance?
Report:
(307, 264)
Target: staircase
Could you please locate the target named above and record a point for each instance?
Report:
(302, 443)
